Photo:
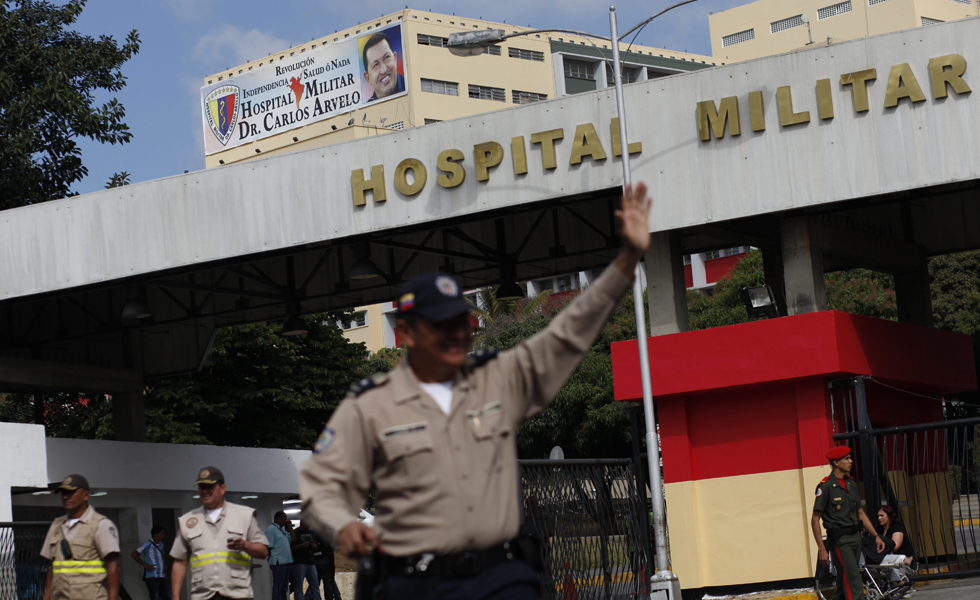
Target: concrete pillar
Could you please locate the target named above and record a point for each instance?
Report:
(772, 267)
(802, 267)
(699, 277)
(666, 293)
(914, 297)
(129, 416)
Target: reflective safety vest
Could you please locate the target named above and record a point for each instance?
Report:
(214, 568)
(84, 576)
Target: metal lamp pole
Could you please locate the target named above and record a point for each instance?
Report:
(664, 577)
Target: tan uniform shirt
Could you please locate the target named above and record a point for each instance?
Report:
(91, 539)
(448, 483)
(204, 543)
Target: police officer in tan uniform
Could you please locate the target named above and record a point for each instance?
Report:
(436, 438)
(219, 540)
(83, 547)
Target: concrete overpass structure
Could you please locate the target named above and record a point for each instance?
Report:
(854, 182)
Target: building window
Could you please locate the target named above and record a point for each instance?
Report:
(525, 54)
(726, 252)
(527, 97)
(396, 125)
(629, 75)
(737, 38)
(579, 69)
(928, 21)
(563, 283)
(967, 2)
(482, 92)
(873, 2)
(832, 11)
(358, 319)
(494, 50)
(433, 40)
(431, 121)
(784, 24)
(440, 87)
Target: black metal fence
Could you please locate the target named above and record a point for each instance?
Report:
(930, 473)
(22, 570)
(595, 525)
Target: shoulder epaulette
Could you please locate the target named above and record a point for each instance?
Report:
(480, 358)
(851, 478)
(824, 480)
(369, 383)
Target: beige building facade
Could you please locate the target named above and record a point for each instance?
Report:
(769, 27)
(441, 86)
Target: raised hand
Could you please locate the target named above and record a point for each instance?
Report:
(632, 219)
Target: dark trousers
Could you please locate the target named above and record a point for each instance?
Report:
(158, 588)
(846, 556)
(514, 580)
(325, 571)
(281, 574)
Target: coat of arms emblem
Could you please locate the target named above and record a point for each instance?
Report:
(221, 109)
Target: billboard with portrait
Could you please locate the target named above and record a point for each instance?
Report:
(303, 89)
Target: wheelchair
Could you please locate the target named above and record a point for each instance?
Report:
(878, 581)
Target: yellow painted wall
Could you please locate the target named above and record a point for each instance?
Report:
(766, 517)
(372, 334)
(863, 20)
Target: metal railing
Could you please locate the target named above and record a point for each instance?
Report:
(928, 472)
(595, 527)
(22, 570)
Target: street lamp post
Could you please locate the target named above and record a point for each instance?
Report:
(471, 43)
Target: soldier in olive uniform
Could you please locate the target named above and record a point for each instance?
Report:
(436, 438)
(839, 503)
(219, 539)
(83, 547)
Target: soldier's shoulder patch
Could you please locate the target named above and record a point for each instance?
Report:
(112, 531)
(192, 523)
(480, 357)
(323, 442)
(369, 383)
(819, 491)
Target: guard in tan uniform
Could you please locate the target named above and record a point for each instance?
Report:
(436, 438)
(219, 539)
(83, 547)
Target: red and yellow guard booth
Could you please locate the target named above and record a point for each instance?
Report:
(746, 420)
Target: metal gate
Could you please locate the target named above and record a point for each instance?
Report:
(930, 473)
(22, 570)
(595, 527)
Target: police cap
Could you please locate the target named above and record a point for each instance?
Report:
(435, 296)
(73, 482)
(210, 476)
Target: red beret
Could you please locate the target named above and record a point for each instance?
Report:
(838, 452)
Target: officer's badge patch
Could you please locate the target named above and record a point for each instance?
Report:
(323, 442)
(112, 532)
(204, 474)
(192, 523)
(221, 112)
(447, 286)
(819, 492)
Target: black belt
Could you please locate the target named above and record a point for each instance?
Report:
(449, 566)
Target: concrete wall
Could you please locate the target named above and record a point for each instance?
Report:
(22, 461)
(305, 198)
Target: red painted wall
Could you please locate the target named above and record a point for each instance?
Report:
(716, 268)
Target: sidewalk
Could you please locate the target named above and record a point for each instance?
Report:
(962, 589)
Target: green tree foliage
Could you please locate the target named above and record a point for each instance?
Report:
(260, 389)
(257, 389)
(956, 307)
(583, 419)
(48, 79)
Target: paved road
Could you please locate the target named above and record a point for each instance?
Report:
(964, 589)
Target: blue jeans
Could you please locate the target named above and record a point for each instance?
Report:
(281, 574)
(158, 588)
(306, 573)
